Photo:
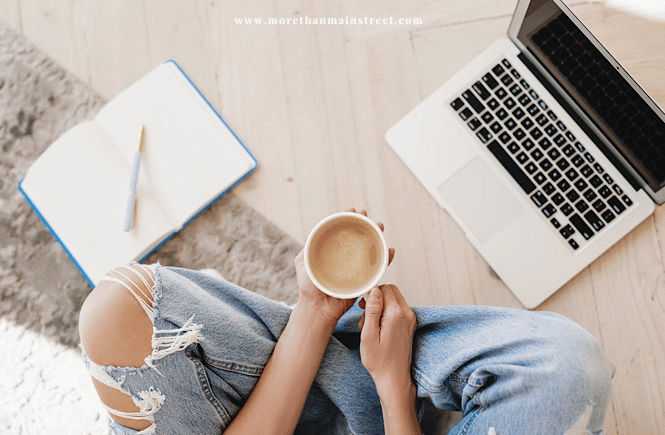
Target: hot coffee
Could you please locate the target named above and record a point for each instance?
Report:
(346, 254)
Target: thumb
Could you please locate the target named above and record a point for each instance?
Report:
(373, 312)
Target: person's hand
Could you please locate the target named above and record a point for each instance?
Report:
(386, 343)
(328, 307)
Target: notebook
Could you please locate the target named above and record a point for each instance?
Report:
(79, 186)
(543, 149)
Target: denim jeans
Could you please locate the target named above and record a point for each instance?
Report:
(508, 371)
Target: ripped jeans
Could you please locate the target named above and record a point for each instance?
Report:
(507, 371)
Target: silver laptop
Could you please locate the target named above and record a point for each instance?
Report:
(543, 149)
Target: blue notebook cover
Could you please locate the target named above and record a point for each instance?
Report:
(206, 206)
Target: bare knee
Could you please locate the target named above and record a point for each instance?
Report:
(115, 330)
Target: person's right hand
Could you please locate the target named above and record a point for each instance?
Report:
(386, 343)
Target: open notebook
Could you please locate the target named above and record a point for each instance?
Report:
(79, 186)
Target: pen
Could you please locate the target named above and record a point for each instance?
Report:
(131, 201)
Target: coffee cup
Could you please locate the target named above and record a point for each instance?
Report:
(346, 255)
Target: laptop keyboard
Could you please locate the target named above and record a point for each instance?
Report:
(564, 181)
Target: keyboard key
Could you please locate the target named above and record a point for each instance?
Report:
(533, 110)
(518, 113)
(579, 147)
(627, 201)
(551, 130)
(504, 137)
(506, 80)
(513, 147)
(481, 90)
(509, 165)
(545, 143)
(570, 136)
(496, 127)
(473, 101)
(522, 157)
(598, 168)
(571, 174)
(568, 151)
(599, 205)
(528, 144)
(524, 84)
(573, 244)
(594, 220)
(484, 135)
(501, 113)
(590, 195)
(498, 70)
(559, 140)
(580, 184)
(509, 103)
(554, 154)
(457, 104)
(542, 104)
(548, 210)
(562, 164)
(561, 126)
(539, 199)
(466, 113)
(567, 231)
(572, 195)
(527, 123)
(474, 123)
(604, 191)
(534, 95)
(554, 175)
(537, 154)
(577, 160)
(536, 133)
(608, 216)
(515, 89)
(531, 168)
(541, 119)
(493, 104)
(551, 115)
(546, 165)
(581, 206)
(515, 73)
(524, 99)
(563, 185)
(589, 158)
(501, 93)
(586, 170)
(510, 123)
(616, 205)
(519, 134)
(490, 81)
(609, 180)
(506, 63)
(581, 226)
(558, 198)
(555, 223)
(539, 177)
(487, 116)
(595, 181)
(549, 188)
(567, 209)
(617, 189)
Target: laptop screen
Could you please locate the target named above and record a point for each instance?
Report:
(605, 95)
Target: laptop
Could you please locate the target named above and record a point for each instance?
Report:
(543, 149)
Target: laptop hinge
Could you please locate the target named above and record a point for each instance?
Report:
(581, 123)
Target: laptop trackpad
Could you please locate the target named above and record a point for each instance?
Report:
(480, 200)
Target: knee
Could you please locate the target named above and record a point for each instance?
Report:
(580, 365)
(113, 325)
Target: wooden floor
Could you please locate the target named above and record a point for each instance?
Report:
(314, 102)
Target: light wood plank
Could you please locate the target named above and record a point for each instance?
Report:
(10, 14)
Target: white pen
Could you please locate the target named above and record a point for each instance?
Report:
(131, 201)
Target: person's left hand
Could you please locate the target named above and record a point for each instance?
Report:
(313, 298)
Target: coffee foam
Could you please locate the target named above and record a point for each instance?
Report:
(345, 255)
